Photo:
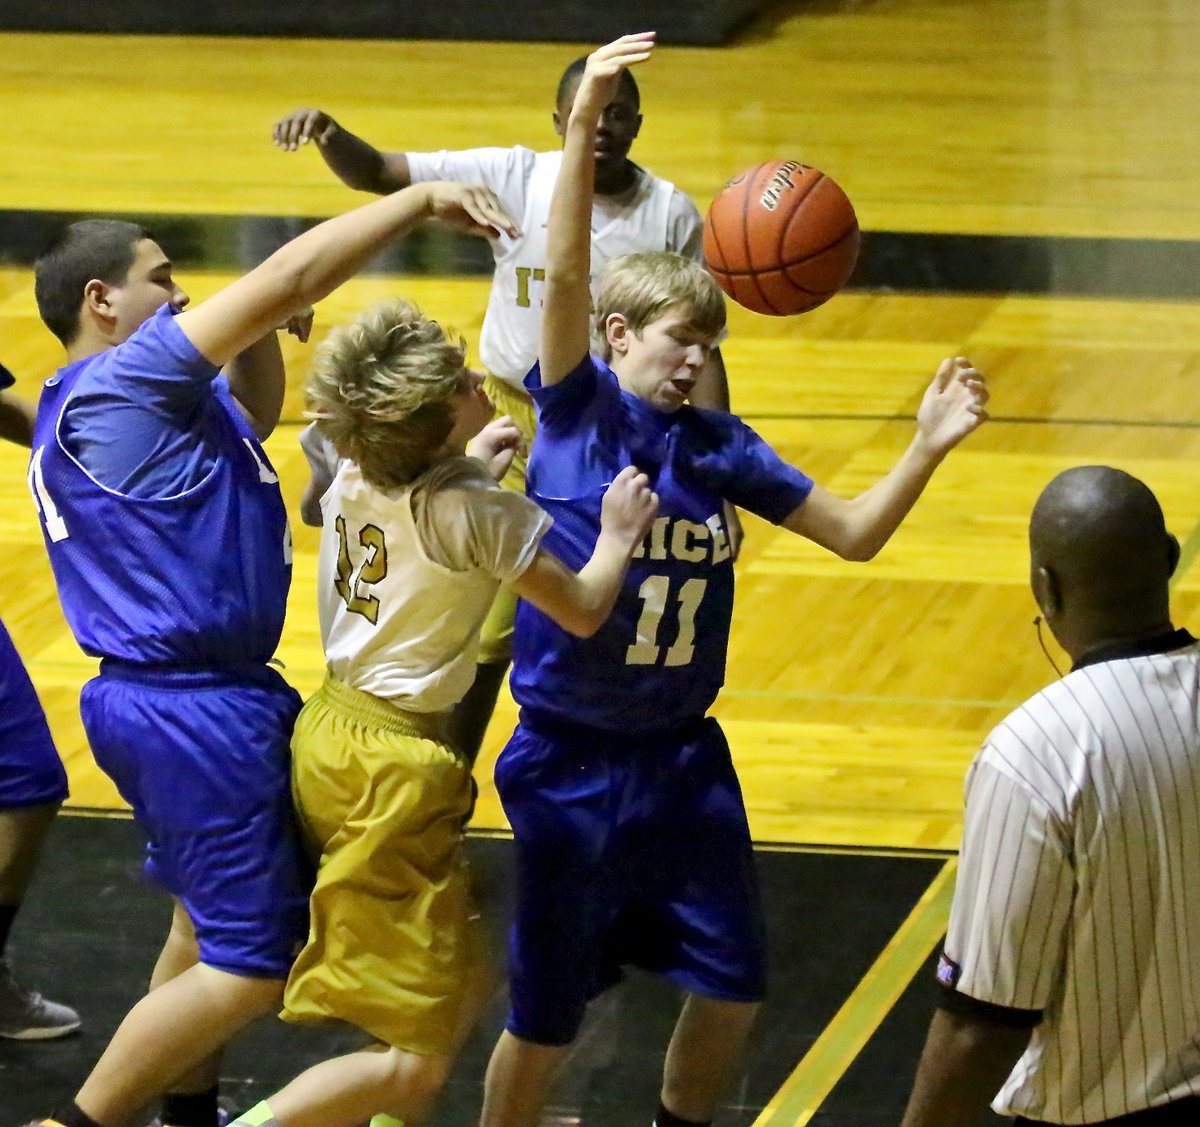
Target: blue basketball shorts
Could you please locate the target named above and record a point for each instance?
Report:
(31, 773)
(631, 850)
(203, 759)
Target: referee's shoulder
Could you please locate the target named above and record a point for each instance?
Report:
(1060, 718)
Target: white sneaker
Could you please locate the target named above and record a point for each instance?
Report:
(26, 1016)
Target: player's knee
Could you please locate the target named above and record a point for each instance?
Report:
(545, 1029)
(412, 1083)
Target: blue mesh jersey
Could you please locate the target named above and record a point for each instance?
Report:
(659, 660)
(197, 574)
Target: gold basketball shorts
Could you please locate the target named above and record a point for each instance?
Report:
(393, 937)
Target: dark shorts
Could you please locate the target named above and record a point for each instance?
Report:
(203, 759)
(31, 773)
(630, 851)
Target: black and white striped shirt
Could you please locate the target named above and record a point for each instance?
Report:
(1079, 885)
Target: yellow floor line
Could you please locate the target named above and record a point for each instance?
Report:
(843, 1038)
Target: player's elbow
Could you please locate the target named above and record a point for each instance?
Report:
(374, 181)
(859, 549)
(567, 278)
(582, 622)
(310, 512)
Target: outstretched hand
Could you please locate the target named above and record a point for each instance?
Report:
(470, 208)
(496, 445)
(954, 405)
(629, 507)
(302, 126)
(604, 65)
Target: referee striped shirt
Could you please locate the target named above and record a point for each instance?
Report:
(1079, 885)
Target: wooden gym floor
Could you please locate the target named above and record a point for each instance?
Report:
(1027, 173)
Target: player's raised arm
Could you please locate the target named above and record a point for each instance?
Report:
(357, 163)
(567, 299)
(953, 406)
(314, 264)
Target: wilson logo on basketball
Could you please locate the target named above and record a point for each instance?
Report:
(778, 184)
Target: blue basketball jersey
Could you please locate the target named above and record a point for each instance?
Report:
(199, 576)
(659, 660)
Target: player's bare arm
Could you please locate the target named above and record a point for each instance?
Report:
(580, 603)
(567, 296)
(953, 406)
(357, 163)
(963, 1065)
(309, 267)
(16, 419)
(256, 381)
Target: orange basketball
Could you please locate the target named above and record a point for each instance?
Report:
(781, 238)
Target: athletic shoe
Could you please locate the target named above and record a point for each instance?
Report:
(26, 1016)
(225, 1116)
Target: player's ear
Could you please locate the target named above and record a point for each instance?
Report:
(617, 332)
(96, 300)
(1045, 591)
(560, 122)
(1172, 554)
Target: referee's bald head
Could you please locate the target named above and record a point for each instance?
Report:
(1100, 533)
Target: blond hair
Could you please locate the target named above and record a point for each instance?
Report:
(381, 387)
(644, 286)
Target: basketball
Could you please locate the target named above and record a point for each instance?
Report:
(781, 238)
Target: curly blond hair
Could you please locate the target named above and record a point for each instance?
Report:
(381, 387)
(644, 286)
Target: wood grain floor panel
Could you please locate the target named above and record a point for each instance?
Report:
(855, 693)
(1067, 117)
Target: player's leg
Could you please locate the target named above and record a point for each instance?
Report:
(24, 1013)
(705, 898)
(703, 1058)
(557, 798)
(192, 1100)
(167, 1034)
(393, 948)
(351, 1089)
(520, 1075)
(206, 771)
(391, 1087)
(32, 786)
(22, 831)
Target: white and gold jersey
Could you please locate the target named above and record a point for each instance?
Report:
(406, 577)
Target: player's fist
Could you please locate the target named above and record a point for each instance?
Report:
(299, 324)
(629, 507)
(302, 126)
(496, 445)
